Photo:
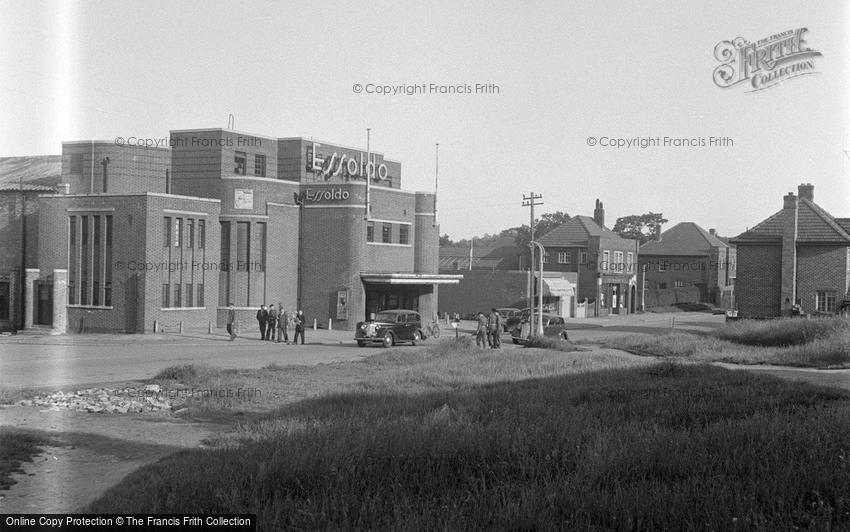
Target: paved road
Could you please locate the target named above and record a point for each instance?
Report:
(29, 361)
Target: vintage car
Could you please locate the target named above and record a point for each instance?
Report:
(389, 328)
(517, 320)
(508, 313)
(551, 327)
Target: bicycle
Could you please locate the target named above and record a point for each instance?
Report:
(432, 330)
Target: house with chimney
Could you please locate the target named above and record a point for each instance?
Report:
(605, 264)
(686, 264)
(799, 255)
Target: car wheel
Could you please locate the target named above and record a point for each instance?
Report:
(361, 343)
(388, 340)
(417, 337)
(515, 340)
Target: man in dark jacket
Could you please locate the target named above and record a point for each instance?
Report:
(300, 323)
(272, 323)
(231, 322)
(262, 319)
(494, 323)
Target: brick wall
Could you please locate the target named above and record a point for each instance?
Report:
(820, 268)
(131, 169)
(758, 287)
(482, 290)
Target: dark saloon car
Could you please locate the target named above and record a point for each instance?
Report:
(508, 313)
(552, 326)
(516, 320)
(389, 328)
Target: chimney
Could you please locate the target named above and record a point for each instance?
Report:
(657, 233)
(789, 251)
(806, 191)
(712, 232)
(599, 214)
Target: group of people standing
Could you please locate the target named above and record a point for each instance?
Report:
(489, 330)
(271, 319)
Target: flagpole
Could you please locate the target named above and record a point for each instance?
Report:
(436, 178)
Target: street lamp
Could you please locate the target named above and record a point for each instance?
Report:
(539, 287)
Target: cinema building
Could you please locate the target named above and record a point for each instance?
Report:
(142, 235)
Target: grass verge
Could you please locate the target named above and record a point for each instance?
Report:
(818, 343)
(16, 447)
(447, 439)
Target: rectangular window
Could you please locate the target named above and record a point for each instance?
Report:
(679, 284)
(202, 234)
(189, 294)
(190, 233)
(77, 163)
(84, 293)
(95, 297)
(630, 260)
(166, 232)
(404, 234)
(563, 257)
(662, 285)
(200, 298)
(177, 301)
(178, 232)
(386, 233)
(166, 301)
(370, 231)
(243, 239)
(260, 244)
(96, 223)
(108, 230)
(582, 258)
(260, 165)
(85, 238)
(545, 257)
(107, 294)
(5, 298)
(239, 163)
(825, 301)
(225, 247)
(606, 257)
(73, 236)
(662, 266)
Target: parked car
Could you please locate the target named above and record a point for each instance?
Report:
(521, 333)
(389, 328)
(507, 313)
(548, 319)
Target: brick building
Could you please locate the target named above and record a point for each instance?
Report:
(605, 263)
(686, 264)
(800, 254)
(173, 235)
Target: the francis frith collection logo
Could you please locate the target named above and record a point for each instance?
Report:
(764, 63)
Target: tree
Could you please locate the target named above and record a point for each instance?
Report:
(641, 227)
(542, 225)
(446, 240)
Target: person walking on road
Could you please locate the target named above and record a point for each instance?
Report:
(231, 322)
(494, 324)
(482, 334)
(262, 320)
(271, 325)
(300, 323)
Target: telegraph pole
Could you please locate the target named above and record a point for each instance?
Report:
(530, 201)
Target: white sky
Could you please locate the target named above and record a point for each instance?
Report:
(565, 71)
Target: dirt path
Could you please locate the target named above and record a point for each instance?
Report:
(98, 451)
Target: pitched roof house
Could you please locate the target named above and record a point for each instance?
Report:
(684, 264)
(801, 254)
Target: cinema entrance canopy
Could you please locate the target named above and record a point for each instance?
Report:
(413, 291)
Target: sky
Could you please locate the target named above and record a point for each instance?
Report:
(533, 82)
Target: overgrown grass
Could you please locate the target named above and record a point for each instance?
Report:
(551, 342)
(16, 447)
(783, 332)
(820, 343)
(659, 447)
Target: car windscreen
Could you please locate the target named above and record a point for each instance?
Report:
(386, 316)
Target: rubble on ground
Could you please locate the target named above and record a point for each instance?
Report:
(150, 398)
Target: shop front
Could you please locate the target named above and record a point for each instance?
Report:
(409, 291)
